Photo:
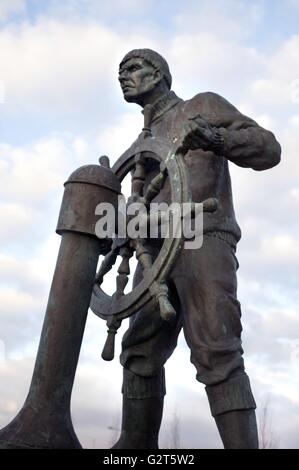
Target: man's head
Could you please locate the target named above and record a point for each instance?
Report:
(141, 72)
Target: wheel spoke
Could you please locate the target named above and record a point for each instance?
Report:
(123, 271)
(154, 187)
(108, 351)
(160, 292)
(142, 254)
(138, 178)
(107, 264)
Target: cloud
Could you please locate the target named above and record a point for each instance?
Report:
(94, 9)
(61, 72)
(15, 379)
(283, 247)
(17, 219)
(279, 85)
(221, 64)
(31, 190)
(58, 64)
(117, 138)
(31, 273)
(230, 18)
(9, 7)
(32, 173)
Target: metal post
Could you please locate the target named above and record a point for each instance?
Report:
(45, 419)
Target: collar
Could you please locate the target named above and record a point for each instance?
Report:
(164, 104)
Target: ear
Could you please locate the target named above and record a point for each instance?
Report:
(158, 75)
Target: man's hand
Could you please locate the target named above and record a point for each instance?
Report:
(199, 134)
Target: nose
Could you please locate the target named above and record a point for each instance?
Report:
(123, 76)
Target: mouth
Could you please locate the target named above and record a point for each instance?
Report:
(126, 88)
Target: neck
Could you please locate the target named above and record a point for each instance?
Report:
(152, 96)
(163, 104)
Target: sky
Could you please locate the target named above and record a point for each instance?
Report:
(61, 107)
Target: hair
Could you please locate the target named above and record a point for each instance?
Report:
(153, 58)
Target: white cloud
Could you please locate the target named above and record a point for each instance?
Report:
(29, 175)
(279, 85)
(17, 218)
(58, 63)
(221, 63)
(31, 273)
(284, 248)
(31, 189)
(116, 139)
(294, 120)
(62, 67)
(234, 19)
(99, 10)
(17, 301)
(294, 194)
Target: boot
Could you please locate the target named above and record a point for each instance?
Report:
(143, 399)
(232, 405)
(238, 429)
(141, 422)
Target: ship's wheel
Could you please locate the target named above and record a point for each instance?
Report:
(171, 163)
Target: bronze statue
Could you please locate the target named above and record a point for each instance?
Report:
(180, 157)
(202, 283)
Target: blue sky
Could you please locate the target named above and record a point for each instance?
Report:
(63, 108)
(278, 18)
(275, 17)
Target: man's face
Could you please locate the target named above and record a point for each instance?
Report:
(137, 77)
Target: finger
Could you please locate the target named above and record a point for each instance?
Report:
(193, 142)
(189, 143)
(195, 137)
(201, 122)
(196, 130)
(199, 131)
(202, 134)
(189, 130)
(192, 126)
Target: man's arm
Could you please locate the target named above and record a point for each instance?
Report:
(249, 145)
(231, 134)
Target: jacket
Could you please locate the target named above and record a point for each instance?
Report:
(245, 143)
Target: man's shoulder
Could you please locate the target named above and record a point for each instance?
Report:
(209, 103)
(206, 96)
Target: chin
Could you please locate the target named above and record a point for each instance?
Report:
(130, 97)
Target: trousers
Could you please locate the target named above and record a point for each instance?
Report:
(203, 291)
